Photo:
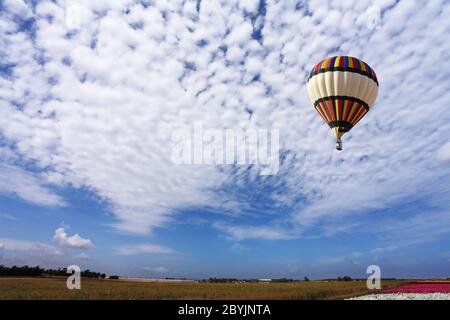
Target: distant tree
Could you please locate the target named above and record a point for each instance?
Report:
(21, 271)
(305, 278)
(345, 278)
(90, 274)
(222, 280)
(114, 277)
(103, 276)
(37, 271)
(282, 280)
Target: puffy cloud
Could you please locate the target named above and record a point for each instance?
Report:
(75, 241)
(96, 106)
(17, 7)
(129, 250)
(250, 6)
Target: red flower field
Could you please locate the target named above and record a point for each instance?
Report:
(422, 287)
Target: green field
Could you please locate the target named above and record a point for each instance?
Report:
(55, 288)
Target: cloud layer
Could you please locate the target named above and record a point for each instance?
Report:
(129, 250)
(91, 101)
(27, 186)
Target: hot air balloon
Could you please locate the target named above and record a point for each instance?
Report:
(342, 89)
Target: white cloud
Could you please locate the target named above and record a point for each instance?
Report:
(129, 250)
(332, 260)
(249, 5)
(159, 270)
(419, 228)
(105, 119)
(27, 186)
(75, 241)
(353, 257)
(23, 252)
(443, 154)
(82, 256)
(12, 244)
(238, 233)
(8, 216)
(17, 7)
(32, 246)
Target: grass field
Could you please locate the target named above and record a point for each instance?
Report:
(55, 288)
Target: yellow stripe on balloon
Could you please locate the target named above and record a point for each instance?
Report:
(336, 104)
(358, 115)
(319, 111)
(363, 66)
(338, 60)
(352, 111)
(346, 103)
(363, 112)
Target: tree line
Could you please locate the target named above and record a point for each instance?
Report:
(37, 271)
(232, 280)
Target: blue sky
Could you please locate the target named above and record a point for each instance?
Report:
(90, 94)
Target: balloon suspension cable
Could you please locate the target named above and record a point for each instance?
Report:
(338, 144)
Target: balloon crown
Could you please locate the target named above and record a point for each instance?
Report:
(344, 63)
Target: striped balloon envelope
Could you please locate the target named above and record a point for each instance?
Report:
(342, 89)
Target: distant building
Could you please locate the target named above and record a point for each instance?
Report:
(264, 280)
